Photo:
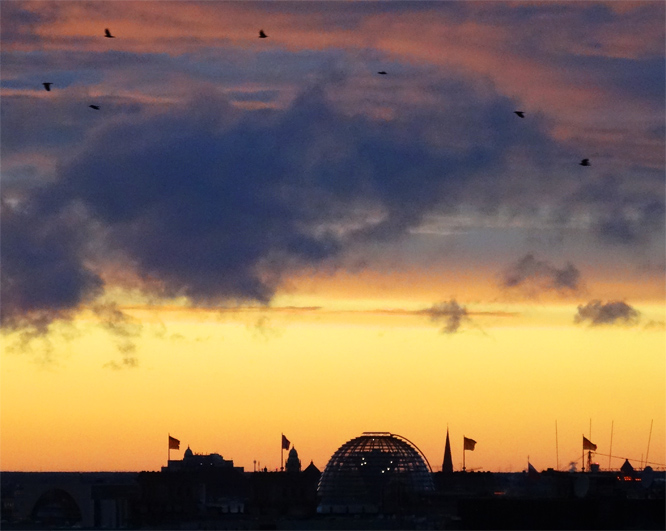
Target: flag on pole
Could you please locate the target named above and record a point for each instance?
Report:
(285, 443)
(587, 445)
(469, 443)
(174, 444)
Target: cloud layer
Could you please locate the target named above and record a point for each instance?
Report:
(219, 163)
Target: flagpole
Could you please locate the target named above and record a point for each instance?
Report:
(557, 450)
(281, 453)
(169, 449)
(583, 453)
(610, 452)
(464, 453)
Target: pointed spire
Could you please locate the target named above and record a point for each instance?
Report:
(447, 465)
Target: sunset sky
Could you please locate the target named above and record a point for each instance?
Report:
(253, 236)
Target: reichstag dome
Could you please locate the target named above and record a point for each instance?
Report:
(377, 471)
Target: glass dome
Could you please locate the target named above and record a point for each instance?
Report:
(373, 472)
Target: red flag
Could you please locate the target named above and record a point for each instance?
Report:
(587, 445)
(469, 443)
(174, 444)
(285, 443)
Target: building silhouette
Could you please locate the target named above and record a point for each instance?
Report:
(376, 481)
(192, 461)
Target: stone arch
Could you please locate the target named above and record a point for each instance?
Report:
(56, 507)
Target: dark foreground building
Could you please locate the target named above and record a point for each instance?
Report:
(49, 500)
(375, 481)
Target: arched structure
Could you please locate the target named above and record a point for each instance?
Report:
(65, 499)
(378, 471)
(56, 507)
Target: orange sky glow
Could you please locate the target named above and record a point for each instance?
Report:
(264, 236)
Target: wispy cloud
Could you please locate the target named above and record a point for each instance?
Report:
(540, 275)
(655, 325)
(124, 329)
(128, 362)
(262, 328)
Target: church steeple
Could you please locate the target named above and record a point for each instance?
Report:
(447, 465)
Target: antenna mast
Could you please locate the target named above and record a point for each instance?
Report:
(649, 437)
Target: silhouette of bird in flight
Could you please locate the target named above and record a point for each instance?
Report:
(520, 113)
(47, 86)
(585, 162)
(96, 107)
(262, 35)
(108, 35)
(382, 73)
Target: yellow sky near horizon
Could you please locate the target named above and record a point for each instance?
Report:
(231, 383)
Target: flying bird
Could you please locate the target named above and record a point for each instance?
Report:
(108, 35)
(382, 73)
(96, 107)
(520, 113)
(585, 162)
(262, 35)
(47, 86)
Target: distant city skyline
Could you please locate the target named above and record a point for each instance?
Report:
(376, 216)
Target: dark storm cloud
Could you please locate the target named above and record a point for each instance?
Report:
(450, 313)
(612, 312)
(215, 204)
(540, 274)
(43, 275)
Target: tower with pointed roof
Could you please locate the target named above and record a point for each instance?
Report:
(447, 465)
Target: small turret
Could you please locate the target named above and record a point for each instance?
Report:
(293, 462)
